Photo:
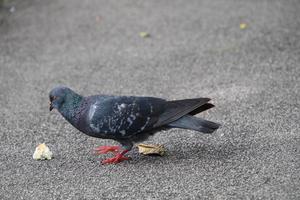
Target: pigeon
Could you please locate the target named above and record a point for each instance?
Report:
(128, 119)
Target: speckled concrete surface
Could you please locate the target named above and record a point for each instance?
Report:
(196, 49)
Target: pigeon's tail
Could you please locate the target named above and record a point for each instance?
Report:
(194, 123)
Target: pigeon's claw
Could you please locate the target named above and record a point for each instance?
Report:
(118, 158)
(106, 149)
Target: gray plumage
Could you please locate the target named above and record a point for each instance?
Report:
(129, 119)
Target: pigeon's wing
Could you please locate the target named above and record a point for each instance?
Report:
(201, 109)
(176, 109)
(122, 117)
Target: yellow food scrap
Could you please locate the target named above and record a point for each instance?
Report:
(144, 34)
(152, 149)
(42, 152)
(243, 26)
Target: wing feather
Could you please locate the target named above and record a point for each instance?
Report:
(176, 109)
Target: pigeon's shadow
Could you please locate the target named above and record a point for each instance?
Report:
(196, 152)
(206, 151)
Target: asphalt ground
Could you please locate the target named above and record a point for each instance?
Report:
(196, 48)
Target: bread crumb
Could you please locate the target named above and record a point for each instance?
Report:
(42, 152)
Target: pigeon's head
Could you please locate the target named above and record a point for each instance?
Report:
(58, 96)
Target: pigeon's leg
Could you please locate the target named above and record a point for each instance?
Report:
(106, 149)
(127, 146)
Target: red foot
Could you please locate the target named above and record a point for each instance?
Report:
(106, 149)
(118, 158)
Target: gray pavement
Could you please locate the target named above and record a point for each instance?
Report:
(196, 49)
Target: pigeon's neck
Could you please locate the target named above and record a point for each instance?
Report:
(71, 107)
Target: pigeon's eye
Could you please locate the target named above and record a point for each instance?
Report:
(52, 98)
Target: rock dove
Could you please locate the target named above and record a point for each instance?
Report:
(128, 119)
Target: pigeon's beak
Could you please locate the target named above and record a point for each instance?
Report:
(51, 107)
